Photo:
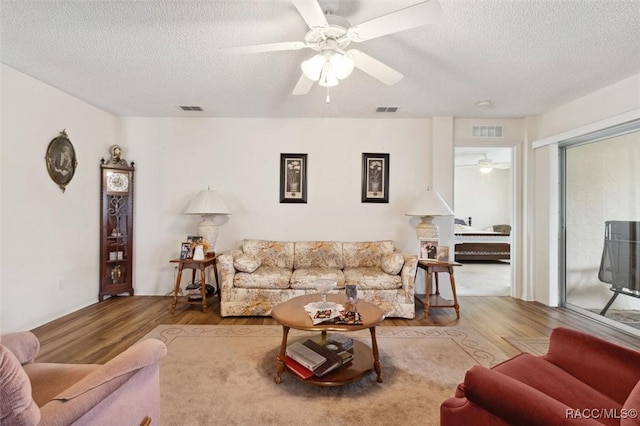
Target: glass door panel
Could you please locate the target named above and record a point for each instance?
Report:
(601, 184)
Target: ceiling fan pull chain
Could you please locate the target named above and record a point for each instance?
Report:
(328, 98)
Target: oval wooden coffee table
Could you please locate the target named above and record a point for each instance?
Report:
(291, 314)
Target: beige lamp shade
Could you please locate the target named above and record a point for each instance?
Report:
(207, 204)
(428, 205)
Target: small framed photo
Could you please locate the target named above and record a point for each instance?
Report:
(442, 254)
(375, 178)
(428, 249)
(293, 178)
(185, 250)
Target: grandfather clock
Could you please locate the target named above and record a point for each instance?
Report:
(116, 225)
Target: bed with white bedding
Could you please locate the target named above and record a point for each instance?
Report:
(476, 244)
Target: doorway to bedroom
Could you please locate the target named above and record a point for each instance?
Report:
(483, 205)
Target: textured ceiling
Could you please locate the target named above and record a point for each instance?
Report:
(143, 58)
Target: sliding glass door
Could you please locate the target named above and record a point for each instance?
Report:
(600, 185)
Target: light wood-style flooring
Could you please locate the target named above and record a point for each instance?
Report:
(99, 332)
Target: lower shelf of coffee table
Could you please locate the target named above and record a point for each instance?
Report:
(360, 366)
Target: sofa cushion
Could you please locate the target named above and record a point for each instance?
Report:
(271, 253)
(555, 382)
(391, 263)
(306, 277)
(263, 277)
(246, 262)
(372, 278)
(318, 254)
(366, 253)
(17, 407)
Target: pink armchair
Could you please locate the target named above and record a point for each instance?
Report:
(125, 390)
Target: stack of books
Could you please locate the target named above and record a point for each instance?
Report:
(310, 358)
(194, 292)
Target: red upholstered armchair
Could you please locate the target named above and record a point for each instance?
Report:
(581, 380)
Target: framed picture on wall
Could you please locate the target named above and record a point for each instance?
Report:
(428, 249)
(61, 160)
(375, 178)
(293, 178)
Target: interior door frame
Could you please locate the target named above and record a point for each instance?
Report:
(517, 281)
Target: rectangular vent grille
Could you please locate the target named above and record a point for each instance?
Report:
(486, 131)
(190, 108)
(387, 109)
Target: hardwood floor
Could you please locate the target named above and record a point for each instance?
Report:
(99, 332)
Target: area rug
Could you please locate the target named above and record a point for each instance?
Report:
(533, 345)
(225, 375)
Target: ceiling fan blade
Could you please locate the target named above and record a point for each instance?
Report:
(311, 13)
(375, 68)
(404, 19)
(303, 86)
(262, 48)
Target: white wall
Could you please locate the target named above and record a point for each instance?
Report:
(240, 158)
(613, 100)
(48, 271)
(175, 158)
(49, 239)
(486, 197)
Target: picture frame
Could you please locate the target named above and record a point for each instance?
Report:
(61, 160)
(192, 242)
(375, 178)
(442, 254)
(185, 250)
(428, 249)
(293, 178)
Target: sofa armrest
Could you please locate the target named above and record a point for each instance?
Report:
(127, 384)
(408, 273)
(514, 401)
(612, 369)
(23, 344)
(226, 269)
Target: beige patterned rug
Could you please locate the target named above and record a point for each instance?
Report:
(224, 375)
(533, 345)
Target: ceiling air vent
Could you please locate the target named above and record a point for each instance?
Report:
(190, 108)
(387, 109)
(486, 131)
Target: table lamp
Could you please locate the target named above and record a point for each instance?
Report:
(208, 204)
(428, 205)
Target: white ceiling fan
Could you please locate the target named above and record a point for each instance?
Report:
(485, 164)
(330, 34)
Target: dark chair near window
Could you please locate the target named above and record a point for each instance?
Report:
(621, 259)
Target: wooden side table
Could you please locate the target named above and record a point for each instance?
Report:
(194, 265)
(432, 268)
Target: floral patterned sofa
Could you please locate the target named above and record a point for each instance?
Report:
(264, 273)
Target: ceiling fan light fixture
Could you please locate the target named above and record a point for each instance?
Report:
(342, 65)
(485, 166)
(328, 76)
(312, 68)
